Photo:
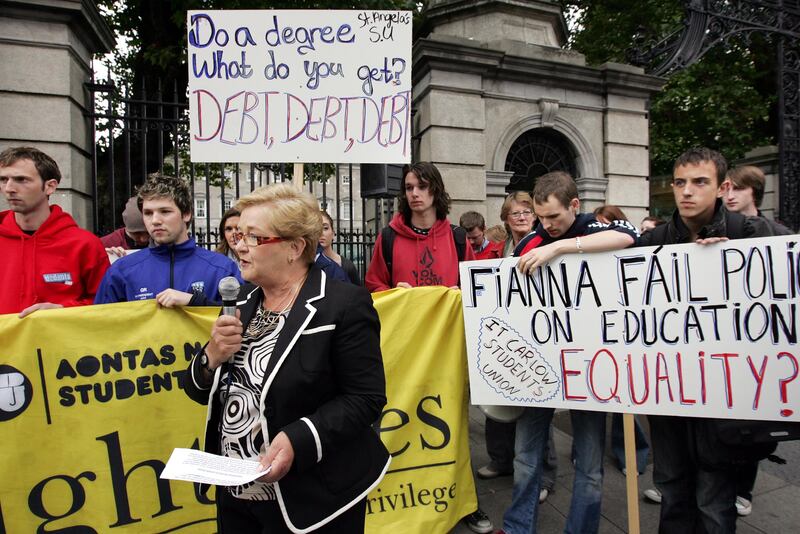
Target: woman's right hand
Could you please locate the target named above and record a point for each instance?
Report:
(226, 339)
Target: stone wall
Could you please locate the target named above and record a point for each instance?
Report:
(46, 49)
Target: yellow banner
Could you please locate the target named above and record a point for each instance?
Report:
(429, 486)
(91, 406)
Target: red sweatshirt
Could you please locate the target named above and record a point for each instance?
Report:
(59, 263)
(491, 252)
(419, 260)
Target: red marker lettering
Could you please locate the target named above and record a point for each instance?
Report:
(759, 376)
(683, 398)
(616, 376)
(631, 381)
(783, 382)
(727, 369)
(702, 377)
(662, 375)
(569, 372)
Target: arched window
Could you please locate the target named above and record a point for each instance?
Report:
(535, 153)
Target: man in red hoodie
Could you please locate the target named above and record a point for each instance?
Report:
(424, 251)
(421, 248)
(48, 262)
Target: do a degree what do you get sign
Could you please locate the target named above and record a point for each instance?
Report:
(303, 86)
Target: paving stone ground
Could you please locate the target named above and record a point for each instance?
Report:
(776, 501)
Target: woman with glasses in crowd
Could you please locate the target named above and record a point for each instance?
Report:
(518, 218)
(296, 331)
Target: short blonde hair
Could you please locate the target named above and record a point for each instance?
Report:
(521, 197)
(295, 214)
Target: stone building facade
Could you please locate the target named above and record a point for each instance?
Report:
(46, 50)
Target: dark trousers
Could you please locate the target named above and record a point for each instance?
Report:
(500, 444)
(746, 479)
(238, 516)
(693, 499)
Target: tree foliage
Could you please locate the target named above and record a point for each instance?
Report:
(724, 101)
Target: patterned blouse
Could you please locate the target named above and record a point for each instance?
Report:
(241, 434)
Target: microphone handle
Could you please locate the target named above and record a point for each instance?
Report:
(228, 308)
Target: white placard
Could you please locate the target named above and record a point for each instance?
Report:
(192, 465)
(688, 330)
(300, 86)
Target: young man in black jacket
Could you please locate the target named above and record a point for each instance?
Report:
(695, 497)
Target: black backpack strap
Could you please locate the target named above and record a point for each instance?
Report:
(387, 249)
(460, 239)
(734, 225)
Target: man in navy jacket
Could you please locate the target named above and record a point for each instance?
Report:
(174, 270)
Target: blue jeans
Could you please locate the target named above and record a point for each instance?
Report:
(693, 499)
(550, 463)
(589, 430)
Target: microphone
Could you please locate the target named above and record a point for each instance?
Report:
(229, 291)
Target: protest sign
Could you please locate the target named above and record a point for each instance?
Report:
(679, 330)
(91, 407)
(304, 86)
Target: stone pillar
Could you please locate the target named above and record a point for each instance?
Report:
(46, 48)
(626, 139)
(450, 128)
(487, 72)
(496, 183)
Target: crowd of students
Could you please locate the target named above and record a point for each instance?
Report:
(51, 263)
(713, 205)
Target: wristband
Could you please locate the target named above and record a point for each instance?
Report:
(578, 245)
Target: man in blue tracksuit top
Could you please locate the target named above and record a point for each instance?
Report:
(173, 270)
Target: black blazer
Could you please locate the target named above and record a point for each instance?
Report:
(324, 386)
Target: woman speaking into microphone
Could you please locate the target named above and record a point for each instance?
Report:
(294, 380)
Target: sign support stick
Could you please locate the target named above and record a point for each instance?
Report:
(297, 176)
(632, 476)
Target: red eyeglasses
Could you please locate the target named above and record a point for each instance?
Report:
(252, 240)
